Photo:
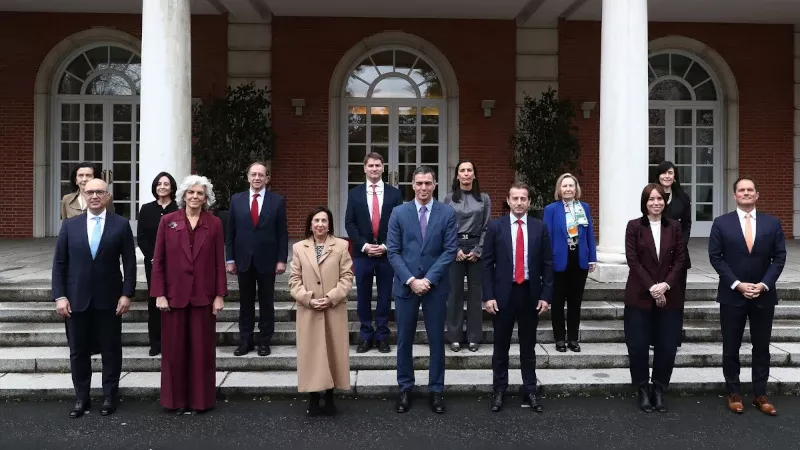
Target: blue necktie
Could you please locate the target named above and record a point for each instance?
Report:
(94, 242)
(423, 220)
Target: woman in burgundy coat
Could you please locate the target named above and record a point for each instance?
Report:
(189, 282)
(655, 252)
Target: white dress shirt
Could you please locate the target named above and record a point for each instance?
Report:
(260, 199)
(90, 223)
(753, 226)
(655, 227)
(379, 191)
(514, 227)
(418, 205)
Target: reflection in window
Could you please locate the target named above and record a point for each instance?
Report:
(678, 77)
(104, 70)
(394, 74)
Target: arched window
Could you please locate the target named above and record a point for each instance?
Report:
(393, 74)
(104, 70)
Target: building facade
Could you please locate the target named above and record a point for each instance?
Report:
(715, 89)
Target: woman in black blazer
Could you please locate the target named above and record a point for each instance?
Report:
(164, 188)
(679, 207)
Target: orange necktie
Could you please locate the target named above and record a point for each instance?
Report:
(748, 233)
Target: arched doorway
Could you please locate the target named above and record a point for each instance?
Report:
(685, 125)
(95, 118)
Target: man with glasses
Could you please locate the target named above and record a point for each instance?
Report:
(91, 293)
(256, 248)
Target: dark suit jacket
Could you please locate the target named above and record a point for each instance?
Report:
(411, 256)
(730, 258)
(94, 282)
(357, 220)
(680, 209)
(264, 245)
(189, 274)
(647, 269)
(556, 219)
(147, 226)
(498, 261)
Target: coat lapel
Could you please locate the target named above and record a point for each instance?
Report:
(311, 256)
(666, 238)
(82, 228)
(647, 233)
(200, 233)
(330, 242)
(183, 233)
(433, 215)
(563, 222)
(262, 215)
(505, 232)
(412, 209)
(386, 208)
(109, 219)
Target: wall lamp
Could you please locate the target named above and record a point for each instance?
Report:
(487, 106)
(298, 104)
(587, 107)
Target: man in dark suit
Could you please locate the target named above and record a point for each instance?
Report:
(748, 251)
(256, 248)
(517, 285)
(367, 220)
(422, 245)
(91, 293)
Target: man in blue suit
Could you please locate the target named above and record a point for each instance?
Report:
(369, 206)
(422, 245)
(91, 293)
(748, 251)
(256, 249)
(517, 286)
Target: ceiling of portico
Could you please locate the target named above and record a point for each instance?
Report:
(239, 9)
(486, 9)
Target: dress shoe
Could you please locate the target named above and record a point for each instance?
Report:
(533, 401)
(383, 347)
(330, 408)
(455, 347)
(473, 347)
(81, 407)
(243, 349)
(109, 406)
(313, 405)
(437, 402)
(735, 403)
(644, 398)
(561, 346)
(762, 403)
(497, 401)
(657, 392)
(264, 350)
(364, 347)
(574, 346)
(403, 402)
(154, 351)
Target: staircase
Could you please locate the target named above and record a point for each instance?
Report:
(34, 358)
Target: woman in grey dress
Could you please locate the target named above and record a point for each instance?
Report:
(473, 211)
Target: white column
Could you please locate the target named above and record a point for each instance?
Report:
(796, 193)
(623, 129)
(166, 135)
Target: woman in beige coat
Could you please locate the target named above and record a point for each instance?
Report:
(321, 279)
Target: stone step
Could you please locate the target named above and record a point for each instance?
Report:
(53, 334)
(284, 357)
(383, 383)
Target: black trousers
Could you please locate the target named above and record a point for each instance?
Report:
(153, 314)
(665, 326)
(105, 328)
(522, 309)
(455, 302)
(248, 280)
(568, 289)
(732, 321)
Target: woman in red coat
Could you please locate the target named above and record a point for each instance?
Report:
(655, 252)
(189, 282)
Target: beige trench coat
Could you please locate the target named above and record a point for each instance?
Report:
(323, 340)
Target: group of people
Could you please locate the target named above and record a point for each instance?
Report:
(517, 267)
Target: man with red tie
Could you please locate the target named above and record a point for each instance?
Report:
(369, 207)
(517, 286)
(256, 249)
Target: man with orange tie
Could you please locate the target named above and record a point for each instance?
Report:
(748, 251)
(369, 207)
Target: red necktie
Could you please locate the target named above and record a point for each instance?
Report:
(254, 210)
(519, 259)
(376, 212)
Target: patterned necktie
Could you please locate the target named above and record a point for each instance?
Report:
(423, 220)
(519, 257)
(376, 211)
(94, 242)
(748, 233)
(254, 210)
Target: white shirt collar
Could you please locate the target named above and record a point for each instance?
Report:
(261, 192)
(91, 216)
(378, 185)
(523, 218)
(742, 213)
(419, 205)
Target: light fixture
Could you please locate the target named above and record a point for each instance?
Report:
(487, 106)
(298, 104)
(587, 107)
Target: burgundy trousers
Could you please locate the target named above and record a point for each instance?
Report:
(188, 358)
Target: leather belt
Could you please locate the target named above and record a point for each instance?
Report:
(467, 236)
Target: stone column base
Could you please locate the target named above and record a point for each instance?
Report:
(611, 268)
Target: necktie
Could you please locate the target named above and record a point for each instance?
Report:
(423, 220)
(748, 233)
(376, 211)
(254, 210)
(94, 243)
(519, 255)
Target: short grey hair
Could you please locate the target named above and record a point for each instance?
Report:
(194, 180)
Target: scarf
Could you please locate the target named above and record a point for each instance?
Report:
(575, 216)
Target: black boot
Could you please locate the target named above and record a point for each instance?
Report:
(658, 397)
(644, 398)
(329, 409)
(313, 404)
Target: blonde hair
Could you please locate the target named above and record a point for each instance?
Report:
(558, 186)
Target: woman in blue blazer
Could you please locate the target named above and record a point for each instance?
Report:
(569, 223)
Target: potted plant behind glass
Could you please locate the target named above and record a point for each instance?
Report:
(544, 146)
(230, 133)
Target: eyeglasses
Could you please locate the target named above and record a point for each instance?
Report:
(98, 193)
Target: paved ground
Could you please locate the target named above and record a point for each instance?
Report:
(567, 423)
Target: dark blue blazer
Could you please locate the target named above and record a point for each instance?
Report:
(556, 220)
(357, 220)
(498, 264)
(411, 256)
(729, 256)
(264, 245)
(97, 282)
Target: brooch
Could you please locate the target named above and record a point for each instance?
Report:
(173, 225)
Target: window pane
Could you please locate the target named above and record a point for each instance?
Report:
(705, 213)
(122, 191)
(705, 174)
(122, 172)
(683, 136)
(657, 117)
(379, 134)
(98, 57)
(122, 132)
(70, 131)
(679, 64)
(430, 116)
(93, 132)
(407, 135)
(670, 90)
(122, 208)
(70, 152)
(403, 61)
(382, 149)
(706, 91)
(685, 174)
(108, 84)
(123, 113)
(93, 113)
(79, 67)
(430, 135)
(379, 115)
(430, 154)
(683, 155)
(683, 117)
(696, 75)
(120, 56)
(656, 155)
(356, 153)
(394, 87)
(69, 85)
(705, 155)
(355, 88)
(356, 114)
(93, 152)
(407, 191)
(357, 134)
(70, 113)
(407, 154)
(431, 88)
(407, 115)
(656, 136)
(407, 172)
(705, 117)
(355, 173)
(122, 152)
(366, 71)
(704, 194)
(384, 61)
(660, 64)
(705, 136)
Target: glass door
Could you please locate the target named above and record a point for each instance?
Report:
(122, 158)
